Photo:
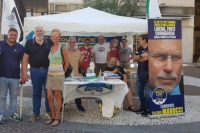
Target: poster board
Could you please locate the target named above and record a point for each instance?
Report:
(166, 92)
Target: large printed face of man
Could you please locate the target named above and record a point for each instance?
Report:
(165, 64)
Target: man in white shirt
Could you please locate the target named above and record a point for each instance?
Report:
(100, 55)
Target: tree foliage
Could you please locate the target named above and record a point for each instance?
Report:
(118, 7)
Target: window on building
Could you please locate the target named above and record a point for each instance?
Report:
(61, 8)
(73, 7)
(51, 7)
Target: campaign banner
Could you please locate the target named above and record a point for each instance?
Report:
(81, 39)
(166, 92)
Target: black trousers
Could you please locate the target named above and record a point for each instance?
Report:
(78, 101)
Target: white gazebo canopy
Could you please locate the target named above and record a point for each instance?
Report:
(87, 22)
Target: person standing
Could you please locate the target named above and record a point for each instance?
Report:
(100, 55)
(141, 56)
(11, 54)
(75, 59)
(36, 54)
(125, 54)
(55, 77)
(114, 48)
(86, 54)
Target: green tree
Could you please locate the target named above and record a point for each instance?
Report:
(118, 7)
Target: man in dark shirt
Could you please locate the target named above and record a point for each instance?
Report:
(11, 54)
(36, 54)
(141, 56)
(114, 68)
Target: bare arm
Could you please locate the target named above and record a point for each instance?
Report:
(80, 63)
(66, 60)
(130, 58)
(108, 57)
(24, 74)
(142, 58)
(125, 78)
(80, 60)
(93, 58)
(136, 58)
(145, 57)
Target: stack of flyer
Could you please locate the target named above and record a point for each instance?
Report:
(92, 77)
(113, 77)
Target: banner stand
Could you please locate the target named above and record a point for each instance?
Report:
(166, 88)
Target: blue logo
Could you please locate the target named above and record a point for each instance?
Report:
(95, 89)
(159, 96)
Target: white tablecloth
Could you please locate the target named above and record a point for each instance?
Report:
(115, 90)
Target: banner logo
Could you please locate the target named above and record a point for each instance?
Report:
(95, 89)
(159, 96)
(12, 18)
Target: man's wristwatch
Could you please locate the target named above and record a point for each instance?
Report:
(140, 56)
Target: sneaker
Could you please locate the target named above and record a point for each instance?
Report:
(145, 113)
(15, 117)
(139, 111)
(34, 118)
(2, 119)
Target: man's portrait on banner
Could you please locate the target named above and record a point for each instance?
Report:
(165, 65)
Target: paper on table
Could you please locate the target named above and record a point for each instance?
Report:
(90, 74)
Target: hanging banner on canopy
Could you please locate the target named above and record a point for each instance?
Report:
(81, 39)
(166, 90)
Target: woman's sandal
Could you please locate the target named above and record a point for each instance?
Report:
(55, 122)
(132, 108)
(49, 121)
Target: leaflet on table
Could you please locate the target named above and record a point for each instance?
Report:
(75, 79)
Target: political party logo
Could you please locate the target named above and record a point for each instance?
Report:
(159, 96)
(12, 18)
(95, 89)
(101, 49)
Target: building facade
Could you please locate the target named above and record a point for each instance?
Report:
(185, 10)
(59, 6)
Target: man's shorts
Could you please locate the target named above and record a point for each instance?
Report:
(55, 82)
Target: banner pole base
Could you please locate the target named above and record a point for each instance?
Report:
(167, 115)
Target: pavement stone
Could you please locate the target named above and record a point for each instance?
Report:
(21, 127)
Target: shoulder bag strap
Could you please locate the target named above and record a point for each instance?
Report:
(86, 53)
